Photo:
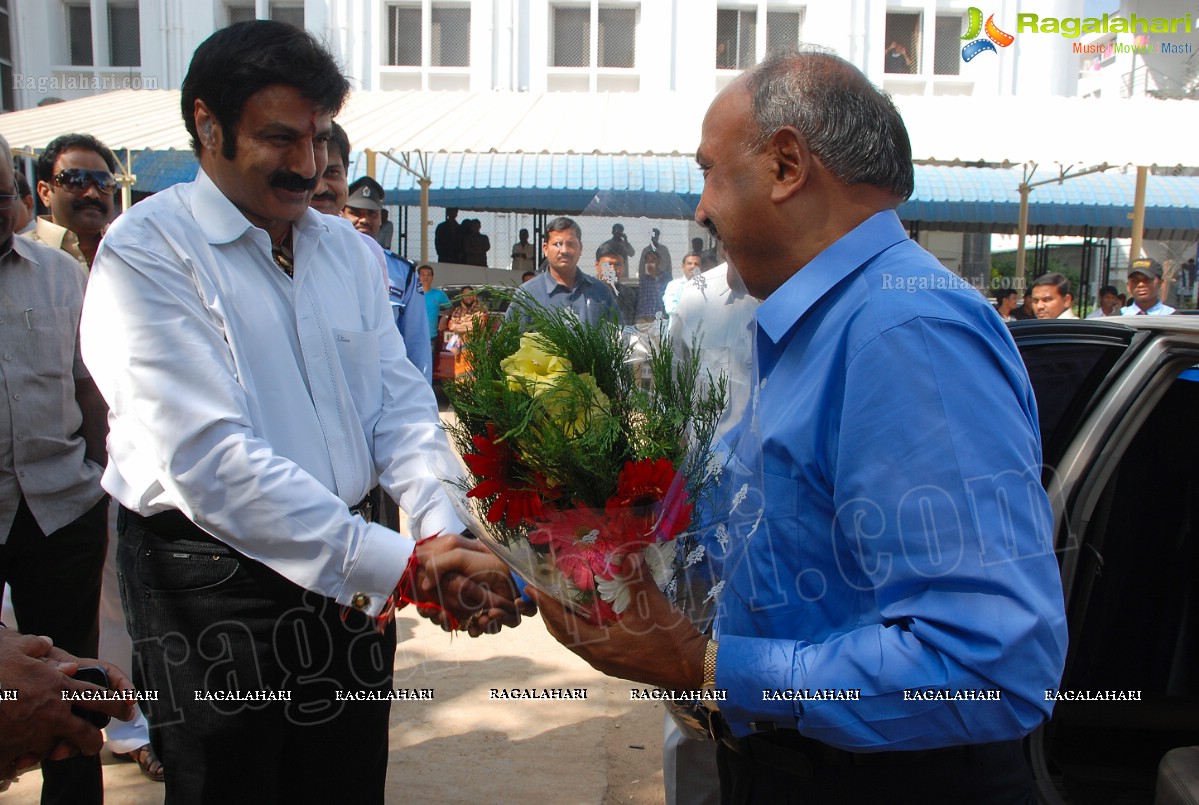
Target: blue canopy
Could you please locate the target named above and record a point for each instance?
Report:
(954, 198)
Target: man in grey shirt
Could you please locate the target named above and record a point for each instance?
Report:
(563, 285)
(53, 513)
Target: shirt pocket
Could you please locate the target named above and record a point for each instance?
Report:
(52, 332)
(358, 352)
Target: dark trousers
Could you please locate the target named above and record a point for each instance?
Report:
(785, 771)
(55, 586)
(208, 622)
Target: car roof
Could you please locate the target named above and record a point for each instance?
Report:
(1178, 323)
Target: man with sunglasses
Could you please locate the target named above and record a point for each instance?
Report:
(76, 181)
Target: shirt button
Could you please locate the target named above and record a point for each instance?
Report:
(360, 601)
(16, 396)
(8, 357)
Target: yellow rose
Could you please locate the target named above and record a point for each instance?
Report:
(531, 368)
(574, 411)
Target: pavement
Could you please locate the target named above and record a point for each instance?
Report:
(465, 747)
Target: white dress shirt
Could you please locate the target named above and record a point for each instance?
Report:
(715, 318)
(258, 405)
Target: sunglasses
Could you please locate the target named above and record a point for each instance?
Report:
(77, 180)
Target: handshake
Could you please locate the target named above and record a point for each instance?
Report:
(37, 719)
(458, 583)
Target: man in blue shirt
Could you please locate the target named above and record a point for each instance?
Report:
(1145, 290)
(562, 284)
(891, 614)
(364, 209)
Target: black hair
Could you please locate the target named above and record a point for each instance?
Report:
(340, 141)
(610, 248)
(236, 62)
(561, 224)
(71, 142)
(23, 188)
(1004, 293)
(1112, 289)
(1057, 280)
(850, 124)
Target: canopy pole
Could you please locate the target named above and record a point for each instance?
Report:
(1138, 214)
(1022, 232)
(424, 181)
(127, 182)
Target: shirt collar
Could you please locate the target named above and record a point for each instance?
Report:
(58, 237)
(222, 222)
(552, 285)
(780, 311)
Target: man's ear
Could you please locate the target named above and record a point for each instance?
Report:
(792, 162)
(205, 125)
(43, 192)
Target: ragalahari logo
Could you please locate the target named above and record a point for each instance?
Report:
(994, 35)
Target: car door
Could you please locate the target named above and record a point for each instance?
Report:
(1117, 406)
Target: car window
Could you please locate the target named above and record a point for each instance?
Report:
(1065, 375)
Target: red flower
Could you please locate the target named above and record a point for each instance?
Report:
(585, 543)
(492, 465)
(641, 487)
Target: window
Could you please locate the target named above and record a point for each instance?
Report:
(903, 43)
(403, 36)
(617, 35)
(783, 31)
(450, 45)
(6, 72)
(449, 35)
(947, 48)
(572, 37)
(124, 35)
(292, 14)
(79, 34)
(741, 41)
(736, 37)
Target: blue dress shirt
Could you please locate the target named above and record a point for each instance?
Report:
(1158, 309)
(407, 306)
(906, 542)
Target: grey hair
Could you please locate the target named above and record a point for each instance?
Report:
(851, 126)
(5, 150)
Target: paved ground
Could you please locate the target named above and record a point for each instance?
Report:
(464, 747)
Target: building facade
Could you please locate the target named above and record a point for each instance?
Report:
(65, 49)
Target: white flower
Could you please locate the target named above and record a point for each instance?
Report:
(695, 557)
(714, 593)
(615, 591)
(590, 537)
(660, 558)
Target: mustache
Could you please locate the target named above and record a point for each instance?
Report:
(289, 180)
(328, 195)
(83, 203)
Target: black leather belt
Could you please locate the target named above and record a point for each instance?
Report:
(793, 753)
(173, 524)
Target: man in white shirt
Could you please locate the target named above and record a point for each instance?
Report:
(1051, 297)
(259, 389)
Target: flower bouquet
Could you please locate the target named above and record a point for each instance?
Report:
(571, 465)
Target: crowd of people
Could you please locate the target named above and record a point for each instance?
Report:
(1050, 296)
(246, 370)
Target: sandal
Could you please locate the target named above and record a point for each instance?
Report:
(145, 758)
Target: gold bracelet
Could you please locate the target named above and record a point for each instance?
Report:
(710, 665)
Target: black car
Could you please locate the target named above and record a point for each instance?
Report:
(1118, 401)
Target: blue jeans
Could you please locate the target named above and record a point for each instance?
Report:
(207, 624)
